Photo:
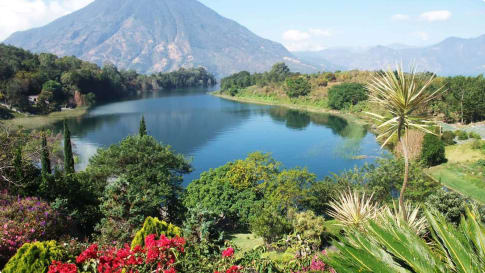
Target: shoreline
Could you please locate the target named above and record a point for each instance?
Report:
(32, 122)
(313, 109)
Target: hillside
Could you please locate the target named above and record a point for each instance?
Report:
(453, 56)
(156, 36)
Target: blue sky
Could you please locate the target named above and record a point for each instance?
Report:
(305, 24)
(315, 24)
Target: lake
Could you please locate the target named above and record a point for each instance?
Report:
(212, 131)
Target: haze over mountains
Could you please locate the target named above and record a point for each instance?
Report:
(453, 56)
(164, 35)
(156, 36)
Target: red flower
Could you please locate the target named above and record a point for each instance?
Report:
(90, 253)
(58, 267)
(234, 269)
(229, 252)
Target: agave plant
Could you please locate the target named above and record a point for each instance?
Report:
(401, 95)
(353, 209)
(414, 219)
(387, 246)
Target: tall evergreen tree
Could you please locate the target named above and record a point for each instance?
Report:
(17, 163)
(45, 161)
(143, 127)
(68, 157)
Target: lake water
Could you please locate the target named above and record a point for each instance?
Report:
(212, 131)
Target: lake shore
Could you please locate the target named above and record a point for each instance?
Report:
(309, 108)
(39, 121)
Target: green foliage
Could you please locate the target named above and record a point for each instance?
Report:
(462, 135)
(478, 144)
(143, 127)
(474, 135)
(68, 156)
(233, 190)
(45, 160)
(154, 226)
(388, 246)
(448, 137)
(298, 86)
(203, 226)
(270, 224)
(34, 257)
(433, 151)
(345, 95)
(144, 180)
(451, 204)
(309, 227)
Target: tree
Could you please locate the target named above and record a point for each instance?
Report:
(143, 127)
(296, 87)
(149, 177)
(401, 95)
(346, 94)
(433, 151)
(278, 72)
(17, 163)
(45, 161)
(68, 156)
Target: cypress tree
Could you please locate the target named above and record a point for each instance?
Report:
(143, 127)
(17, 163)
(68, 157)
(45, 161)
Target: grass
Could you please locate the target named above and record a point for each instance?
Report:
(462, 173)
(246, 241)
(36, 122)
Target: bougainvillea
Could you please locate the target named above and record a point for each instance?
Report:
(24, 220)
(156, 256)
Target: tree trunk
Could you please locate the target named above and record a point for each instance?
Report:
(462, 97)
(406, 174)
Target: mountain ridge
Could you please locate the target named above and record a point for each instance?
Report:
(156, 36)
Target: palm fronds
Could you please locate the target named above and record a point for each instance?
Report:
(414, 219)
(353, 209)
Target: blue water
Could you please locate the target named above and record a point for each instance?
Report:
(212, 131)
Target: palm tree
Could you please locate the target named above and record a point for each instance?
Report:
(401, 95)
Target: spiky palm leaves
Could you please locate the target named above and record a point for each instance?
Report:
(353, 209)
(386, 246)
(401, 95)
(414, 218)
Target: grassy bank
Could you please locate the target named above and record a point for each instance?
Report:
(462, 173)
(36, 122)
(304, 104)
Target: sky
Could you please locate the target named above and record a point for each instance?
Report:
(305, 25)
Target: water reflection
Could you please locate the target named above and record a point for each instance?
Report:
(214, 131)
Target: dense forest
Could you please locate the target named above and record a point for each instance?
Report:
(462, 101)
(70, 82)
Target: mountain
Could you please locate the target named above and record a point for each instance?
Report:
(453, 56)
(156, 36)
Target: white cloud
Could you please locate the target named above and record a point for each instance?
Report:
(321, 32)
(296, 35)
(20, 15)
(401, 17)
(435, 15)
(421, 35)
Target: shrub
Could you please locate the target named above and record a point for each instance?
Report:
(34, 257)
(478, 144)
(270, 224)
(462, 135)
(24, 220)
(433, 152)
(154, 226)
(202, 226)
(309, 227)
(296, 87)
(346, 94)
(353, 210)
(474, 135)
(451, 204)
(448, 138)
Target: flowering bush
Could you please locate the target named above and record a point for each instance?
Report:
(226, 264)
(24, 220)
(317, 265)
(156, 256)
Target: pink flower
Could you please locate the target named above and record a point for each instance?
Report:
(229, 252)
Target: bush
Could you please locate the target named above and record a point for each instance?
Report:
(451, 204)
(270, 224)
(345, 95)
(433, 152)
(448, 138)
(309, 227)
(296, 87)
(34, 257)
(478, 144)
(24, 220)
(462, 135)
(157, 227)
(474, 135)
(202, 226)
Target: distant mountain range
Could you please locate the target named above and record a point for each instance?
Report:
(453, 56)
(157, 36)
